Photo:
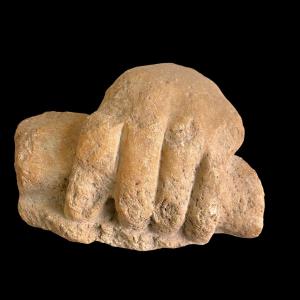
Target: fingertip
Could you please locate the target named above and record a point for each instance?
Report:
(72, 213)
(133, 213)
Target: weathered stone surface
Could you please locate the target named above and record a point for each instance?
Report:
(153, 167)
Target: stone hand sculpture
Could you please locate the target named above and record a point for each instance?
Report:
(153, 167)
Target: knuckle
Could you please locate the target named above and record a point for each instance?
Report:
(182, 132)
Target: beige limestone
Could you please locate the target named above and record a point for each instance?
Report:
(153, 167)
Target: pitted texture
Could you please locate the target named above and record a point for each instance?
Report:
(153, 167)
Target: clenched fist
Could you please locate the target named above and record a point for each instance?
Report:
(157, 146)
(153, 167)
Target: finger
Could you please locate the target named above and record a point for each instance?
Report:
(93, 171)
(180, 156)
(242, 208)
(137, 174)
(202, 214)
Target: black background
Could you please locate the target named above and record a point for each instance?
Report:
(62, 61)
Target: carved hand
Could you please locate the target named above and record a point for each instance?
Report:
(157, 146)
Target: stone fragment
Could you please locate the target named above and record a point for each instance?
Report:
(153, 167)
